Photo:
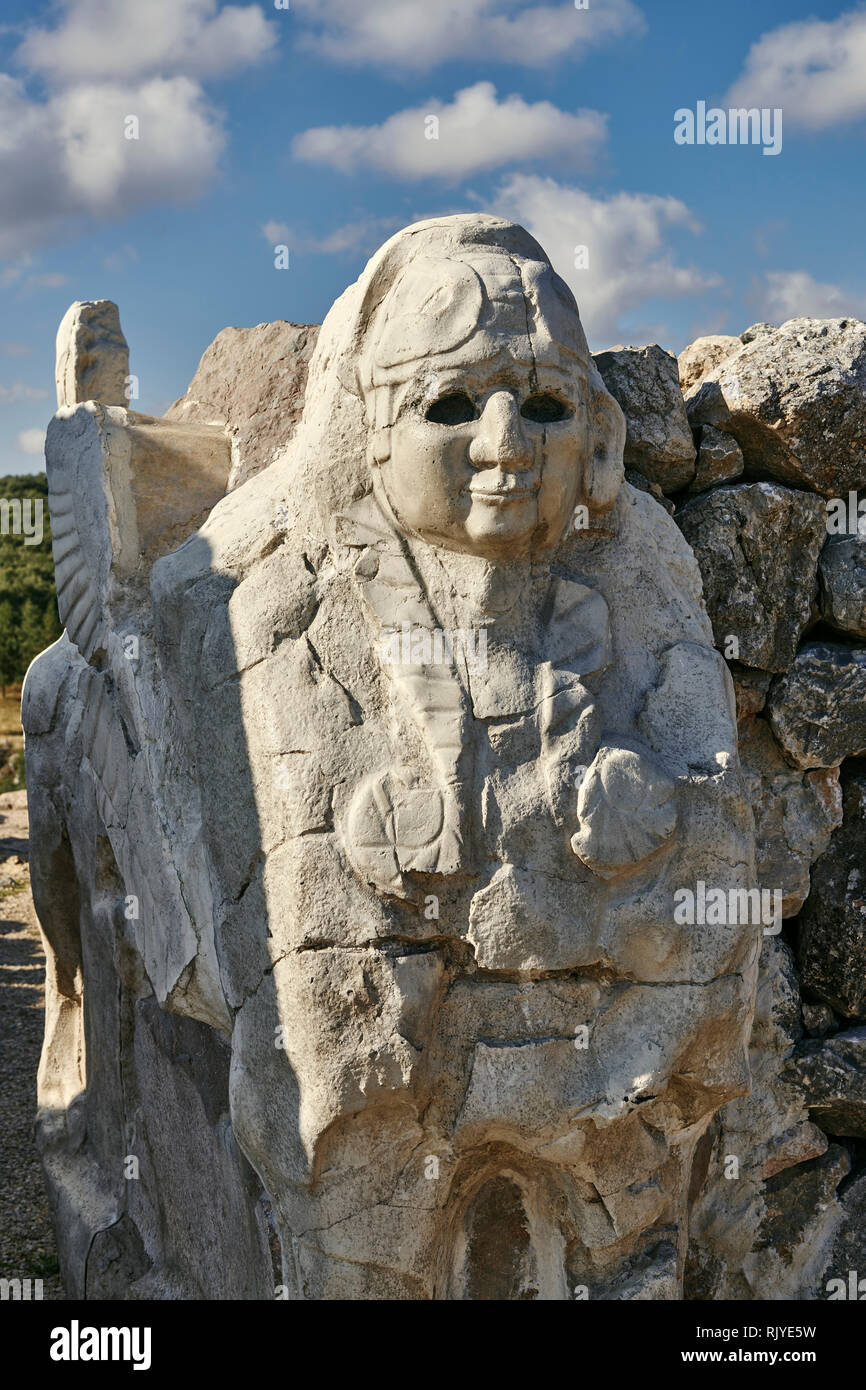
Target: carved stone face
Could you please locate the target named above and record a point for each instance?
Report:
(488, 458)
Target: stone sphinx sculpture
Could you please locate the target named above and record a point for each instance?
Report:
(360, 796)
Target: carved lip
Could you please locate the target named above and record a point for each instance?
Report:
(503, 495)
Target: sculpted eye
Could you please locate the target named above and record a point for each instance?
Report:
(453, 409)
(545, 410)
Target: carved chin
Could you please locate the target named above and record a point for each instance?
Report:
(500, 519)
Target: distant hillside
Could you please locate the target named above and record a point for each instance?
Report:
(28, 603)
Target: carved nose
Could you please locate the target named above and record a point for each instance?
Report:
(500, 439)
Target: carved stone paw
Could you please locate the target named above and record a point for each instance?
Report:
(627, 811)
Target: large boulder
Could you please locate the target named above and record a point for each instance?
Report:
(818, 708)
(253, 380)
(832, 1074)
(801, 1215)
(659, 442)
(796, 812)
(757, 546)
(795, 401)
(701, 356)
(832, 926)
(842, 571)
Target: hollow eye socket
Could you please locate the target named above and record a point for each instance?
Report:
(454, 409)
(545, 410)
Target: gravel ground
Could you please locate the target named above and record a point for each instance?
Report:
(26, 1239)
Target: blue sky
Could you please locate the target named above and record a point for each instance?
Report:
(261, 126)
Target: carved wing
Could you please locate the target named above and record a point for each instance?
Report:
(125, 488)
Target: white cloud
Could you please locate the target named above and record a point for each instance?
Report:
(124, 256)
(20, 391)
(278, 233)
(475, 132)
(813, 68)
(418, 34)
(13, 274)
(628, 239)
(19, 273)
(49, 280)
(180, 140)
(354, 236)
(31, 441)
(67, 158)
(365, 234)
(793, 294)
(16, 349)
(111, 40)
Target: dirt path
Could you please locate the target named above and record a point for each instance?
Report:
(26, 1239)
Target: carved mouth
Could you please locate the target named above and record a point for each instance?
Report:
(500, 495)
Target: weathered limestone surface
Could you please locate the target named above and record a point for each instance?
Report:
(832, 1073)
(848, 1252)
(818, 708)
(763, 1215)
(842, 572)
(832, 929)
(720, 459)
(757, 330)
(795, 401)
(757, 545)
(92, 355)
(643, 484)
(379, 749)
(750, 689)
(658, 441)
(703, 354)
(818, 1019)
(795, 813)
(253, 381)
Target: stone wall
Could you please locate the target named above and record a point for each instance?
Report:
(768, 500)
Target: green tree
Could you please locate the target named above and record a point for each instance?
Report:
(26, 582)
(9, 660)
(51, 628)
(30, 641)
